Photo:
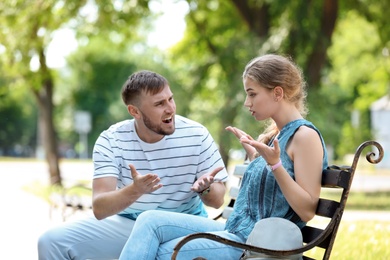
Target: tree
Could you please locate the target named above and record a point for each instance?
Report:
(98, 71)
(308, 28)
(26, 31)
(359, 76)
(16, 116)
(96, 74)
(223, 36)
(207, 63)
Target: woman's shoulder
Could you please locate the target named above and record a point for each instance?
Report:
(304, 132)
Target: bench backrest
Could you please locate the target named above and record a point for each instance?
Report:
(336, 178)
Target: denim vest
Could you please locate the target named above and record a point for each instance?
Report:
(260, 195)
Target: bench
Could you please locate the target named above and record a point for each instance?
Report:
(335, 178)
(71, 199)
(238, 172)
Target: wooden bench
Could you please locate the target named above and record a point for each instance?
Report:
(238, 173)
(334, 177)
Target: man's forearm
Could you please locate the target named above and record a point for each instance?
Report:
(109, 203)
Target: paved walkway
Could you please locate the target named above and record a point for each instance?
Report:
(25, 216)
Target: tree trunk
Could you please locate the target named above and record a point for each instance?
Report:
(48, 137)
(44, 97)
(317, 59)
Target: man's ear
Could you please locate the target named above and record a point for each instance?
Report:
(133, 110)
(278, 93)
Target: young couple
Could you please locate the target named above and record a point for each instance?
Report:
(159, 165)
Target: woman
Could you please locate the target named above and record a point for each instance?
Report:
(282, 180)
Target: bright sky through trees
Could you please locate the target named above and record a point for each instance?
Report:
(168, 29)
(170, 26)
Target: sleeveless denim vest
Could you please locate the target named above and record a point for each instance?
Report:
(260, 195)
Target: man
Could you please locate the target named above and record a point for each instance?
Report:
(157, 160)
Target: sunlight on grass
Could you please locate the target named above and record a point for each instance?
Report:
(378, 200)
(360, 240)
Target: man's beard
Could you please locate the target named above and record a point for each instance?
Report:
(156, 128)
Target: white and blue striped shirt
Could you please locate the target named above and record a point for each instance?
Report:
(178, 159)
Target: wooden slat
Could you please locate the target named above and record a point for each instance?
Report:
(239, 170)
(335, 178)
(311, 233)
(307, 258)
(327, 208)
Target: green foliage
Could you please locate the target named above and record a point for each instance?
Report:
(358, 78)
(27, 29)
(209, 61)
(98, 72)
(297, 31)
(26, 32)
(204, 69)
(373, 12)
(17, 120)
(96, 84)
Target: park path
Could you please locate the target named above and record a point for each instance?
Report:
(25, 216)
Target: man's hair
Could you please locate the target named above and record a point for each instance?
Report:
(147, 81)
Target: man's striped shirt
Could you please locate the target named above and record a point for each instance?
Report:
(178, 159)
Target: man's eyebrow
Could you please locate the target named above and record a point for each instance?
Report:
(162, 100)
(158, 101)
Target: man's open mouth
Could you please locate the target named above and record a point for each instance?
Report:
(167, 120)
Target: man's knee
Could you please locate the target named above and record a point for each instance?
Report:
(45, 239)
(48, 244)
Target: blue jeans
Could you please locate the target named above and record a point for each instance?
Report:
(155, 234)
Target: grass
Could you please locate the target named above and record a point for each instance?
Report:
(45, 192)
(360, 240)
(378, 200)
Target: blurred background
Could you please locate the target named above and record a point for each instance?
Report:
(63, 63)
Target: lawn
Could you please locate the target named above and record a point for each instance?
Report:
(360, 240)
(378, 200)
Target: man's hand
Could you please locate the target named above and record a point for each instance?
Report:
(205, 181)
(144, 183)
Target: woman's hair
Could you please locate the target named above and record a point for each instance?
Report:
(144, 80)
(273, 70)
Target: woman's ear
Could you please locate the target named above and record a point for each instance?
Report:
(278, 93)
(133, 110)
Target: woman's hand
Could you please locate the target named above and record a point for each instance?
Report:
(250, 150)
(270, 154)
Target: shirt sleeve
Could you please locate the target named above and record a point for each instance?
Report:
(104, 159)
(210, 158)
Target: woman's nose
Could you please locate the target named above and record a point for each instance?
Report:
(247, 102)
